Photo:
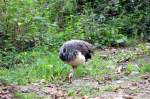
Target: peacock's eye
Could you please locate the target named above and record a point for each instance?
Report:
(64, 50)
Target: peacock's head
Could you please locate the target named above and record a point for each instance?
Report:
(68, 54)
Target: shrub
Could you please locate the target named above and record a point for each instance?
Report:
(28, 24)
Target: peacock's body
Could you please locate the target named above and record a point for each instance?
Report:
(75, 52)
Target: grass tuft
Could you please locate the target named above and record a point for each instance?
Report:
(145, 68)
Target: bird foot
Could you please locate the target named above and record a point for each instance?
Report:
(70, 77)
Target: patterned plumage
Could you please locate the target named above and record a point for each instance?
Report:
(75, 52)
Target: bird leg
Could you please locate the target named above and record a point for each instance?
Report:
(71, 74)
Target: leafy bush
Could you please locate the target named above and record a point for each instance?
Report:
(27, 24)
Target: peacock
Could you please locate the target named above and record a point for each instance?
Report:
(74, 53)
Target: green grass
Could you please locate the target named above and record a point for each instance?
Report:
(130, 68)
(84, 91)
(48, 66)
(19, 95)
(145, 68)
(96, 67)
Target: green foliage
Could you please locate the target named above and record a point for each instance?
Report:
(26, 24)
(144, 48)
(46, 65)
(130, 68)
(29, 24)
(122, 56)
(109, 88)
(31, 31)
(19, 95)
(97, 68)
(145, 68)
(35, 65)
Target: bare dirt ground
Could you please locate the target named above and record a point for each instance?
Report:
(131, 86)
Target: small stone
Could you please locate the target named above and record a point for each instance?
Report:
(142, 82)
(134, 73)
(128, 97)
(78, 92)
(107, 77)
(35, 84)
(42, 81)
(148, 47)
(134, 84)
(145, 77)
(84, 97)
(100, 82)
(116, 89)
(104, 56)
(119, 81)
